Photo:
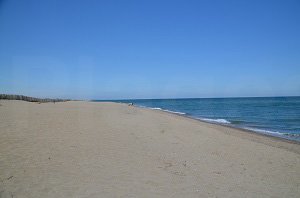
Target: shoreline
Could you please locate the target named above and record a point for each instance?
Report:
(246, 133)
(182, 114)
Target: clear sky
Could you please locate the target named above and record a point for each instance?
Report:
(149, 49)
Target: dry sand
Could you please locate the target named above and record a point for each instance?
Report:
(85, 149)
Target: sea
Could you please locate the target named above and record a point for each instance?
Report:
(275, 116)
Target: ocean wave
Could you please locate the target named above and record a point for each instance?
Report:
(220, 121)
(155, 108)
(176, 112)
(141, 106)
(265, 131)
(169, 111)
(275, 133)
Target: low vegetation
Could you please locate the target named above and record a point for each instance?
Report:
(28, 98)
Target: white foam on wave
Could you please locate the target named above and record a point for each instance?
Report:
(289, 136)
(264, 131)
(141, 106)
(169, 111)
(220, 121)
(156, 108)
(176, 112)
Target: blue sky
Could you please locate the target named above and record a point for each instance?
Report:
(149, 49)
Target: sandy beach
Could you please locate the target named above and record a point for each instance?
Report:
(92, 149)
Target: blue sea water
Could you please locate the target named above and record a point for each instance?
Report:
(278, 116)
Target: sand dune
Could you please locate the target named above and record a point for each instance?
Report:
(86, 149)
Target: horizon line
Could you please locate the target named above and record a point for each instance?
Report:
(196, 98)
(179, 98)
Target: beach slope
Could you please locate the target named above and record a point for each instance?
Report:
(92, 149)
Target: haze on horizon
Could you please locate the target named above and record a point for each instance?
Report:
(154, 49)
